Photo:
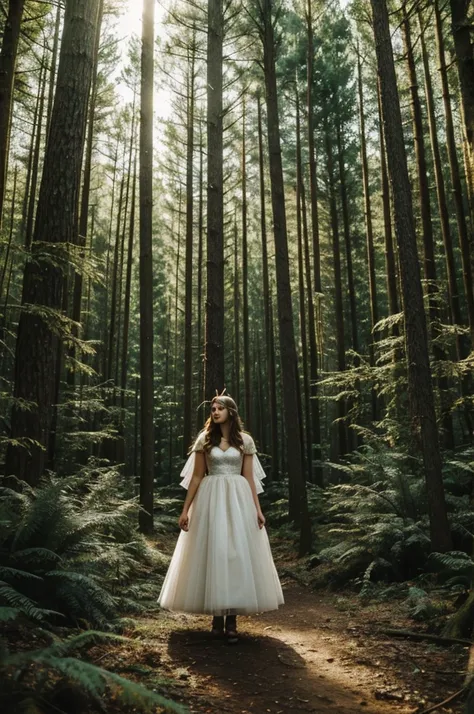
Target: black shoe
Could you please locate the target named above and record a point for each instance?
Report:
(231, 629)
(217, 626)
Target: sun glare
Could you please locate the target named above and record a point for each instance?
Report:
(130, 24)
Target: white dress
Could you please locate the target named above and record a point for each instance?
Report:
(223, 564)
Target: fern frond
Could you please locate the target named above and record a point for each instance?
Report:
(17, 600)
(92, 679)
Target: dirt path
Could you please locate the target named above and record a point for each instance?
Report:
(307, 657)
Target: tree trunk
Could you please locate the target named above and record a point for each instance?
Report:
(267, 306)
(347, 239)
(336, 252)
(52, 69)
(455, 176)
(420, 387)
(307, 437)
(176, 311)
(453, 292)
(29, 169)
(8, 55)
(245, 278)
(288, 355)
(146, 268)
(200, 271)
(36, 157)
(188, 298)
(10, 237)
(349, 269)
(128, 287)
(214, 350)
(56, 222)
(316, 455)
(374, 313)
(312, 152)
(429, 263)
(461, 27)
(390, 257)
(114, 288)
(236, 315)
(462, 343)
(86, 185)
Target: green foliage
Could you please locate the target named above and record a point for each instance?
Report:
(455, 569)
(376, 524)
(422, 607)
(70, 555)
(377, 520)
(31, 678)
(66, 547)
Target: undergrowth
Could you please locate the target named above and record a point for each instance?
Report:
(71, 560)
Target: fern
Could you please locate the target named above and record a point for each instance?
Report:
(17, 600)
(455, 568)
(61, 553)
(45, 665)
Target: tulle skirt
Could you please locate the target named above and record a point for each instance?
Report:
(223, 564)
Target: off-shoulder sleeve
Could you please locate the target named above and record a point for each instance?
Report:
(258, 472)
(249, 444)
(188, 469)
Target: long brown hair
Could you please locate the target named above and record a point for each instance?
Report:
(213, 432)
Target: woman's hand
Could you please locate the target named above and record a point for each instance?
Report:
(260, 519)
(183, 521)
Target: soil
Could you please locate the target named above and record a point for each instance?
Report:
(320, 653)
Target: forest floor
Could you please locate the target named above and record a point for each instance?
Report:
(321, 652)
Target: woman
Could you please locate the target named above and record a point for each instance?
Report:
(222, 563)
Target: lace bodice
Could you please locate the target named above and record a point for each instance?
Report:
(224, 462)
(228, 461)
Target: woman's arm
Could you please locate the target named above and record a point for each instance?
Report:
(197, 477)
(247, 473)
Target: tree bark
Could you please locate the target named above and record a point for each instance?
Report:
(53, 66)
(339, 306)
(214, 349)
(349, 270)
(316, 455)
(307, 436)
(86, 184)
(390, 256)
(420, 386)
(200, 272)
(429, 263)
(369, 233)
(461, 27)
(114, 286)
(10, 237)
(453, 292)
(455, 175)
(188, 298)
(146, 268)
(288, 355)
(237, 368)
(128, 288)
(56, 222)
(8, 55)
(36, 157)
(267, 305)
(245, 277)
(312, 151)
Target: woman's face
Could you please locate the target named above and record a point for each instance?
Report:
(219, 413)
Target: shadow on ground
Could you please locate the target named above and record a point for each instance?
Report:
(258, 675)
